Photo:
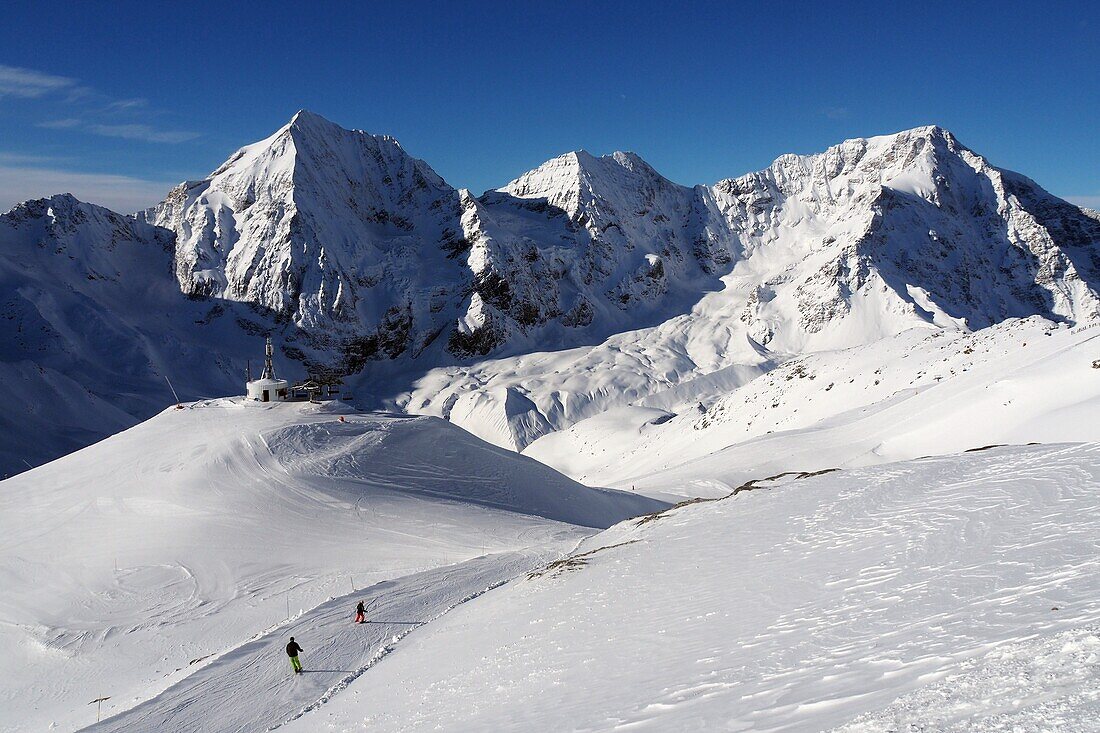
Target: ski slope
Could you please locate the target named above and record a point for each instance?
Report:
(337, 652)
(954, 593)
(128, 564)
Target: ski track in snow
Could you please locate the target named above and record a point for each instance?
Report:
(336, 652)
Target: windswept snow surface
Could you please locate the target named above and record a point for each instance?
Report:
(955, 593)
(922, 392)
(129, 565)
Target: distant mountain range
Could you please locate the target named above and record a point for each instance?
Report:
(362, 262)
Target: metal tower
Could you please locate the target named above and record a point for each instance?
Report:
(269, 367)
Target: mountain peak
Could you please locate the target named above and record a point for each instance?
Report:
(59, 205)
(305, 116)
(581, 170)
(587, 161)
(311, 123)
(933, 132)
(581, 157)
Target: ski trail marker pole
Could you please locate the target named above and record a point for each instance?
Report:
(166, 379)
(98, 702)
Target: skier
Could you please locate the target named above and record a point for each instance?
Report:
(292, 650)
(360, 613)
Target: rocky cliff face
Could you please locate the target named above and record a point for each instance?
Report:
(583, 247)
(368, 251)
(928, 225)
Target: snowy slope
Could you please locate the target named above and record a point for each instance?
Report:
(248, 687)
(923, 392)
(94, 322)
(195, 531)
(955, 593)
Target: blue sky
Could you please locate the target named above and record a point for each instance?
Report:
(118, 101)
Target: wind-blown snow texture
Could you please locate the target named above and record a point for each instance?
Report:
(957, 593)
(361, 261)
(199, 529)
(923, 392)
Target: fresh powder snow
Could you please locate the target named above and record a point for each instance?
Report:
(954, 593)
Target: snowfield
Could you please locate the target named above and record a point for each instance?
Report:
(950, 593)
(130, 565)
(922, 392)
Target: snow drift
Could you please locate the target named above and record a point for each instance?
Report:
(188, 534)
(953, 593)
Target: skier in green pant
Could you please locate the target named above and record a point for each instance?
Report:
(292, 650)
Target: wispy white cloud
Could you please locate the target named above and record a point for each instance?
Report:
(8, 158)
(1092, 202)
(836, 113)
(62, 124)
(121, 105)
(82, 108)
(19, 82)
(128, 131)
(142, 132)
(121, 193)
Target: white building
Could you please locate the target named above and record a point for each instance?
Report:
(268, 388)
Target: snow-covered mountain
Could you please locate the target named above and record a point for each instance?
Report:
(913, 225)
(371, 255)
(338, 231)
(862, 242)
(94, 322)
(363, 263)
(366, 249)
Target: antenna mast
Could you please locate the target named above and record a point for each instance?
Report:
(269, 367)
